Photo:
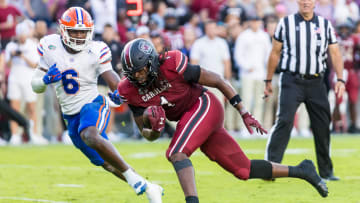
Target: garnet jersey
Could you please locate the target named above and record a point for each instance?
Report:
(348, 48)
(172, 91)
(80, 71)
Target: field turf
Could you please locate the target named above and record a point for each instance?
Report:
(60, 173)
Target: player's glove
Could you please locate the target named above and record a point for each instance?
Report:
(53, 75)
(156, 116)
(250, 121)
(115, 97)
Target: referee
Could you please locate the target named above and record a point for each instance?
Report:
(300, 48)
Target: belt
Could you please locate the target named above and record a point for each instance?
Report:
(306, 76)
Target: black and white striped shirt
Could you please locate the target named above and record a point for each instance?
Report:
(305, 43)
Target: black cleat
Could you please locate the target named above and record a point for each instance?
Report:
(331, 178)
(310, 175)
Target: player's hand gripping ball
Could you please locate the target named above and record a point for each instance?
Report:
(154, 118)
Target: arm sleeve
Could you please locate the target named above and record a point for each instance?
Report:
(37, 82)
(192, 73)
(278, 35)
(332, 36)
(137, 110)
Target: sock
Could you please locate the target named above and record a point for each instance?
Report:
(192, 199)
(295, 171)
(131, 177)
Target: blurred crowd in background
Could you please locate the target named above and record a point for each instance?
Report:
(229, 37)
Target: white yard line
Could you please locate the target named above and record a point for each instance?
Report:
(69, 185)
(143, 155)
(30, 199)
(352, 177)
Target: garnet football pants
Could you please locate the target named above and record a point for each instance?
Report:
(202, 126)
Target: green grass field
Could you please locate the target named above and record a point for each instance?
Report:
(58, 173)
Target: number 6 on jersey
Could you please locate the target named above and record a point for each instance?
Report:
(71, 85)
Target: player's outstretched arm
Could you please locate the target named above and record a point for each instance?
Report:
(37, 82)
(111, 79)
(212, 79)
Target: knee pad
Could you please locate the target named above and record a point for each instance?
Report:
(178, 165)
(260, 169)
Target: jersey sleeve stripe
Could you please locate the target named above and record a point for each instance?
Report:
(102, 55)
(41, 53)
(40, 49)
(103, 49)
(181, 68)
(105, 62)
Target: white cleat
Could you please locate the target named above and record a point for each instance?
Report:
(154, 193)
(38, 140)
(140, 187)
(2, 142)
(65, 138)
(15, 140)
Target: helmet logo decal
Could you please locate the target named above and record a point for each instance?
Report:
(67, 18)
(144, 47)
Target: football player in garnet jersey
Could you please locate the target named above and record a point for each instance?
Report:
(167, 84)
(71, 62)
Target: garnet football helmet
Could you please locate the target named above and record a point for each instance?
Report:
(138, 54)
(76, 18)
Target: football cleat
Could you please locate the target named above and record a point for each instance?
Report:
(15, 140)
(140, 187)
(38, 140)
(331, 178)
(154, 193)
(310, 175)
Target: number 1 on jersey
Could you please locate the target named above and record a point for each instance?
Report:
(71, 85)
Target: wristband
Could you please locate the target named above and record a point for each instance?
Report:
(235, 100)
(341, 80)
(266, 81)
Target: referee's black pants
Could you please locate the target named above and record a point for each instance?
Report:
(7, 110)
(293, 91)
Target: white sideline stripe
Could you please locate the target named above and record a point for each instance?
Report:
(69, 185)
(29, 199)
(198, 172)
(164, 182)
(335, 152)
(142, 155)
(352, 178)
